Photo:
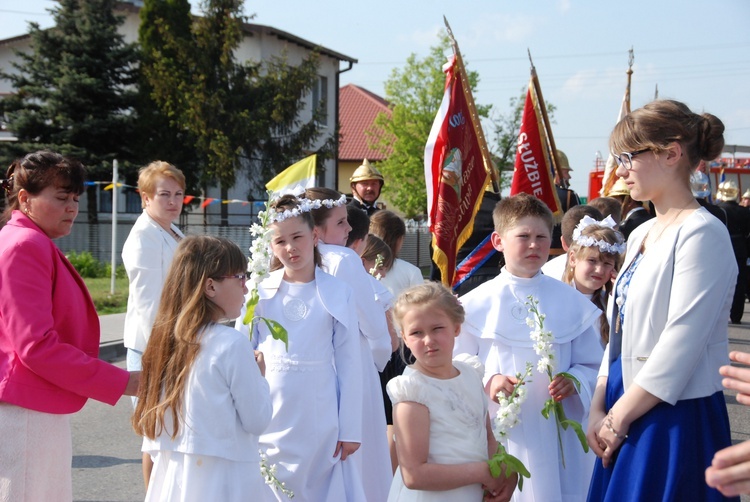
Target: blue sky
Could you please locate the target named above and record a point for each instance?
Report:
(695, 51)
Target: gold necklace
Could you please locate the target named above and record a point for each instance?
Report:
(643, 244)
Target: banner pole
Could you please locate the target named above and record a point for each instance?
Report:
(486, 157)
(547, 128)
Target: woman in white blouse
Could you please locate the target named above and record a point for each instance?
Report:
(147, 254)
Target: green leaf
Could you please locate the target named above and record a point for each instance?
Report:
(575, 381)
(549, 406)
(495, 466)
(515, 465)
(560, 414)
(252, 302)
(277, 331)
(579, 432)
(512, 465)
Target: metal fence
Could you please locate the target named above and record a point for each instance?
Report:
(97, 239)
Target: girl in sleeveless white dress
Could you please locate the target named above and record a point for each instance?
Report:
(443, 435)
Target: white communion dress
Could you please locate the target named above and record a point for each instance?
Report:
(316, 385)
(458, 425)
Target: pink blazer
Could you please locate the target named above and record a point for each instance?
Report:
(49, 329)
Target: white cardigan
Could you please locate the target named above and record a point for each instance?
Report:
(226, 403)
(146, 254)
(675, 330)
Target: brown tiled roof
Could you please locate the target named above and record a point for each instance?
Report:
(358, 108)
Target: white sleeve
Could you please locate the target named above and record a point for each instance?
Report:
(346, 355)
(144, 263)
(585, 360)
(249, 390)
(371, 317)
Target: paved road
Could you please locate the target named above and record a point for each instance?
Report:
(106, 451)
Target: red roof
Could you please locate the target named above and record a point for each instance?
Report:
(358, 108)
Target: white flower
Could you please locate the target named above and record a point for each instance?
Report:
(543, 339)
(269, 476)
(507, 415)
(542, 364)
(378, 263)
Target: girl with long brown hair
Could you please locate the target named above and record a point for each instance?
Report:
(203, 400)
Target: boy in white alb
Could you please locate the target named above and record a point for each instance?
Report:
(495, 329)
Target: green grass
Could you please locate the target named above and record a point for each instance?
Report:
(104, 302)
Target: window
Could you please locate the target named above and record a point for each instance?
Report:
(320, 99)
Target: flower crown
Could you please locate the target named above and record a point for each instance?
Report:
(260, 248)
(304, 205)
(588, 241)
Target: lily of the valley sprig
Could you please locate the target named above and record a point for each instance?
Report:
(506, 418)
(269, 476)
(547, 364)
(259, 268)
(378, 263)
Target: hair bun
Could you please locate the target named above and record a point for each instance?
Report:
(710, 137)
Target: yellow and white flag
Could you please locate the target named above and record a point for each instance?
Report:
(300, 174)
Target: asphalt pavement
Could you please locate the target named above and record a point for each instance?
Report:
(106, 451)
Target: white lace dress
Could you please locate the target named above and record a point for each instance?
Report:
(458, 431)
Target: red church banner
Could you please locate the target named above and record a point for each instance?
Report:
(457, 164)
(533, 170)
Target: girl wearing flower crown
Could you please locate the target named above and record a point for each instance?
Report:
(203, 401)
(440, 412)
(594, 258)
(372, 461)
(316, 382)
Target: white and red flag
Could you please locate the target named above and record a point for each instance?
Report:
(457, 166)
(536, 156)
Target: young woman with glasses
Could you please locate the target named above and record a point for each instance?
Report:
(658, 413)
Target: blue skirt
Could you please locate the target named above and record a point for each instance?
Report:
(666, 452)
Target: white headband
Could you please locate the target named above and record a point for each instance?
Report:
(304, 206)
(588, 241)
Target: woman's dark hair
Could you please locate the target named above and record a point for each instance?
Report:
(37, 171)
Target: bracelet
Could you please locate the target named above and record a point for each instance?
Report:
(608, 425)
(613, 431)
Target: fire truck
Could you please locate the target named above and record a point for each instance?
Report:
(732, 165)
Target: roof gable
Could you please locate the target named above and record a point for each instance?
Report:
(358, 108)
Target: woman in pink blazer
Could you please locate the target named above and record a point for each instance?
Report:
(49, 332)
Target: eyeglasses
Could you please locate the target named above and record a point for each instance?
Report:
(243, 277)
(625, 159)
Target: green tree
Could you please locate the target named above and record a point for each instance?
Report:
(507, 127)
(244, 116)
(414, 93)
(160, 137)
(73, 90)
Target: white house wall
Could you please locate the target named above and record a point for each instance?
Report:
(255, 46)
